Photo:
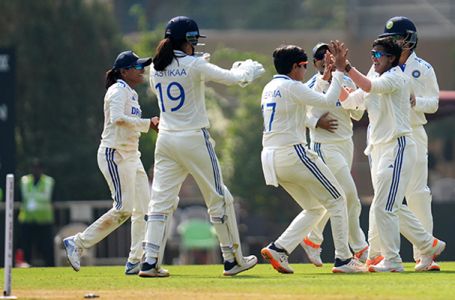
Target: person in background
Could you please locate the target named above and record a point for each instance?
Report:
(119, 161)
(424, 99)
(331, 138)
(36, 215)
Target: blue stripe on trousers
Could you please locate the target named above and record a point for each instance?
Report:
(113, 171)
(213, 159)
(317, 149)
(316, 172)
(396, 173)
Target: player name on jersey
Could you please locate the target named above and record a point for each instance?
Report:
(272, 94)
(172, 73)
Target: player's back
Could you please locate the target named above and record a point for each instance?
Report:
(180, 92)
(283, 118)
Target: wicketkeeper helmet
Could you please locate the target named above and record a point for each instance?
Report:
(182, 27)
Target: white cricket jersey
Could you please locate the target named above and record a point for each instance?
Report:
(180, 90)
(284, 105)
(387, 104)
(122, 118)
(344, 130)
(424, 85)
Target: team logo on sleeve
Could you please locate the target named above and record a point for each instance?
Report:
(416, 73)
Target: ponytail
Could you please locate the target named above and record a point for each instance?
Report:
(111, 77)
(165, 53)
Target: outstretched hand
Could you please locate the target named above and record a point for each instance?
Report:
(340, 54)
(329, 61)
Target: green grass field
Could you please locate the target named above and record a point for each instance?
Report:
(207, 282)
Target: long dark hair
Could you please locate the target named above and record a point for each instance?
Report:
(165, 52)
(111, 77)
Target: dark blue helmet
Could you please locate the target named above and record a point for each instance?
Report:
(401, 26)
(182, 27)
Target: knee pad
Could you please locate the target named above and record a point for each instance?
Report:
(227, 230)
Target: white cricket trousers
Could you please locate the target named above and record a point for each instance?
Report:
(177, 154)
(338, 157)
(313, 186)
(392, 165)
(418, 194)
(128, 183)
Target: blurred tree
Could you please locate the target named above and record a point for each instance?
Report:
(145, 46)
(239, 14)
(63, 49)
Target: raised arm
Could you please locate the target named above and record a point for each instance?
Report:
(340, 55)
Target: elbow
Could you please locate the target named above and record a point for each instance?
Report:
(433, 110)
(344, 95)
(435, 106)
(118, 121)
(366, 86)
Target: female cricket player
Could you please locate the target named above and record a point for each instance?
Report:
(119, 161)
(184, 145)
(287, 161)
(392, 152)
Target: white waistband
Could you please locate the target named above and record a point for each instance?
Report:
(182, 133)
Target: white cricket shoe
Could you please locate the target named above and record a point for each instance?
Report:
(313, 251)
(148, 270)
(374, 261)
(132, 269)
(433, 267)
(232, 268)
(363, 255)
(427, 259)
(351, 265)
(387, 266)
(278, 258)
(73, 253)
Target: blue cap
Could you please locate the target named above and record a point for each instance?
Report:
(128, 59)
(179, 27)
(319, 46)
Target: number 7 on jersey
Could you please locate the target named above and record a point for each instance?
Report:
(268, 112)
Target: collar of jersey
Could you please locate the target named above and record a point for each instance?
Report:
(281, 76)
(394, 69)
(410, 59)
(179, 53)
(126, 84)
